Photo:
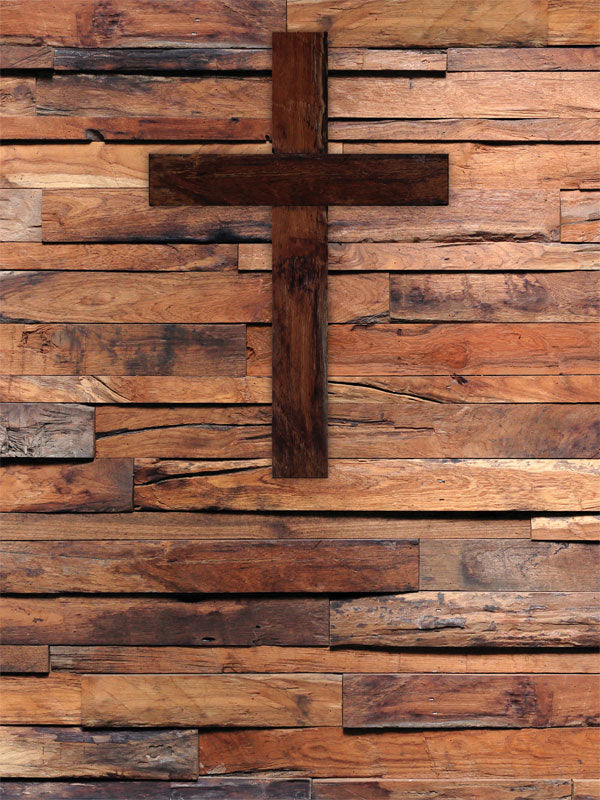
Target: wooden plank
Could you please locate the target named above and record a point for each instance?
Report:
(20, 215)
(143, 23)
(467, 619)
(213, 567)
(321, 752)
(198, 526)
(523, 59)
(14, 658)
(452, 348)
(200, 660)
(163, 621)
(71, 752)
(52, 700)
(580, 216)
(466, 789)
(580, 528)
(18, 96)
(65, 349)
(469, 701)
(508, 566)
(586, 790)
(46, 430)
(119, 258)
(573, 22)
(16, 56)
(360, 58)
(410, 256)
(167, 297)
(101, 485)
(239, 701)
(462, 94)
(377, 485)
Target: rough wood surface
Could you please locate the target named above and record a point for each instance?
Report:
(15, 658)
(467, 619)
(52, 700)
(523, 59)
(580, 528)
(468, 789)
(573, 22)
(50, 752)
(580, 216)
(473, 701)
(164, 621)
(17, 96)
(20, 57)
(586, 790)
(20, 215)
(46, 430)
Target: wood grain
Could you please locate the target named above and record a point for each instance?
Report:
(580, 216)
(52, 700)
(101, 485)
(20, 215)
(586, 790)
(467, 619)
(46, 430)
(221, 567)
(163, 621)
(523, 59)
(472, 701)
(19, 57)
(18, 96)
(579, 528)
(468, 789)
(49, 752)
(14, 658)
(573, 22)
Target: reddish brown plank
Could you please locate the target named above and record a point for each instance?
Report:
(466, 789)
(580, 216)
(22, 57)
(46, 430)
(586, 790)
(51, 700)
(15, 658)
(520, 59)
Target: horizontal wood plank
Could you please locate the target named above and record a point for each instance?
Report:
(23, 57)
(580, 216)
(17, 96)
(523, 59)
(20, 215)
(586, 790)
(24, 659)
(162, 621)
(46, 430)
(573, 22)
(579, 528)
(53, 700)
(467, 619)
(467, 789)
(101, 485)
(472, 701)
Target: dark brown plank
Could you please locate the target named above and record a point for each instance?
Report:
(101, 485)
(505, 565)
(161, 59)
(467, 789)
(211, 567)
(65, 349)
(46, 430)
(71, 752)
(16, 658)
(299, 180)
(23, 57)
(162, 621)
(467, 619)
(470, 701)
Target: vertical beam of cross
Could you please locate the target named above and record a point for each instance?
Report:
(299, 265)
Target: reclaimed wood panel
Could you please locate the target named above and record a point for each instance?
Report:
(163, 621)
(46, 430)
(467, 619)
(20, 215)
(50, 752)
(508, 566)
(23, 57)
(473, 701)
(24, 659)
(580, 216)
(573, 22)
(319, 752)
(265, 701)
(101, 485)
(579, 528)
(213, 567)
(52, 700)
(586, 790)
(17, 96)
(466, 789)
(65, 349)
(523, 59)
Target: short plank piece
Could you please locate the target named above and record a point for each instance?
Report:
(24, 57)
(50, 752)
(211, 567)
(165, 621)
(46, 430)
(20, 215)
(470, 701)
(520, 59)
(506, 565)
(24, 659)
(580, 216)
(235, 701)
(467, 619)
(584, 527)
(573, 22)
(52, 700)
(467, 789)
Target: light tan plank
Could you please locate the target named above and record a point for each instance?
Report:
(523, 59)
(586, 790)
(55, 700)
(580, 528)
(580, 216)
(573, 22)
(20, 215)
(359, 58)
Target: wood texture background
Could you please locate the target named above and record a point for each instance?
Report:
(175, 622)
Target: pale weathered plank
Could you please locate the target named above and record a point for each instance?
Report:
(20, 215)
(46, 430)
(468, 619)
(509, 566)
(71, 752)
(15, 658)
(163, 621)
(573, 22)
(51, 700)
(579, 528)
(22, 57)
(523, 59)
(469, 701)
(580, 216)
(466, 789)
(101, 485)
(211, 567)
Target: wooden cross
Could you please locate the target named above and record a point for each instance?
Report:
(299, 180)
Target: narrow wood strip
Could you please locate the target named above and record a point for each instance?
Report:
(162, 621)
(360, 58)
(71, 752)
(466, 789)
(46, 430)
(101, 485)
(573, 22)
(519, 59)
(15, 658)
(214, 567)
(18, 96)
(467, 619)
(52, 700)
(473, 701)
(508, 566)
(580, 528)
(20, 215)
(580, 216)
(20, 57)
(265, 701)
(320, 752)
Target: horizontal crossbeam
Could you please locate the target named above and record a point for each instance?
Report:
(299, 180)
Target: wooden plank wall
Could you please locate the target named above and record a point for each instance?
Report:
(176, 622)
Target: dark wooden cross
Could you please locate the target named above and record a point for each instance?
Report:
(299, 180)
